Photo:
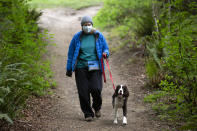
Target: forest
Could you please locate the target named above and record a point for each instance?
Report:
(23, 72)
(164, 29)
(167, 30)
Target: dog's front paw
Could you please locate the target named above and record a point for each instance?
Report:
(124, 121)
(115, 121)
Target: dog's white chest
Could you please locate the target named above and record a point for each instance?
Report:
(119, 102)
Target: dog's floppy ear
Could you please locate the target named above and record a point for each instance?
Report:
(126, 91)
(116, 91)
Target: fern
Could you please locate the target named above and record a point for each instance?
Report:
(6, 117)
(153, 52)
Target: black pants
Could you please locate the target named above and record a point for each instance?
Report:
(89, 82)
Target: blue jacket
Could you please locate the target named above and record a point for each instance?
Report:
(73, 52)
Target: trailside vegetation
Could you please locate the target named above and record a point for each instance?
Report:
(23, 72)
(75, 4)
(167, 30)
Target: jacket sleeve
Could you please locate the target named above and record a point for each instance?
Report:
(70, 54)
(105, 45)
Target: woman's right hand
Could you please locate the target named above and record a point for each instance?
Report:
(104, 55)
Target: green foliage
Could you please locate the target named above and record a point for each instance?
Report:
(191, 124)
(154, 97)
(173, 49)
(168, 31)
(131, 19)
(75, 4)
(22, 70)
(152, 71)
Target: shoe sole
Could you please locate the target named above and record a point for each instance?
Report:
(98, 116)
(89, 119)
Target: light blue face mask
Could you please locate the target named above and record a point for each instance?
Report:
(87, 29)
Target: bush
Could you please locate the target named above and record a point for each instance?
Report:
(168, 31)
(131, 19)
(22, 70)
(174, 52)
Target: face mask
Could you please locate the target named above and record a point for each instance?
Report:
(87, 29)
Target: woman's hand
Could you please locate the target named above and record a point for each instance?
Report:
(104, 55)
(69, 73)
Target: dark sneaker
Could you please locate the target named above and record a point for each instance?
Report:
(88, 119)
(98, 114)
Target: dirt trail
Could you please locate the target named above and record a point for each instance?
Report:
(64, 23)
(61, 111)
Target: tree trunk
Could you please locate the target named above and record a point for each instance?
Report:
(154, 16)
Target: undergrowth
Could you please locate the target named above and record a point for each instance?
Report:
(23, 71)
(167, 30)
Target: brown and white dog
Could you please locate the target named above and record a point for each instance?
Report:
(119, 100)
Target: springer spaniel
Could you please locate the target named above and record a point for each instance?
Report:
(119, 100)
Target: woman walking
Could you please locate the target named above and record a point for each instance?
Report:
(86, 50)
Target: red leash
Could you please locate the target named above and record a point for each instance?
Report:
(107, 62)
